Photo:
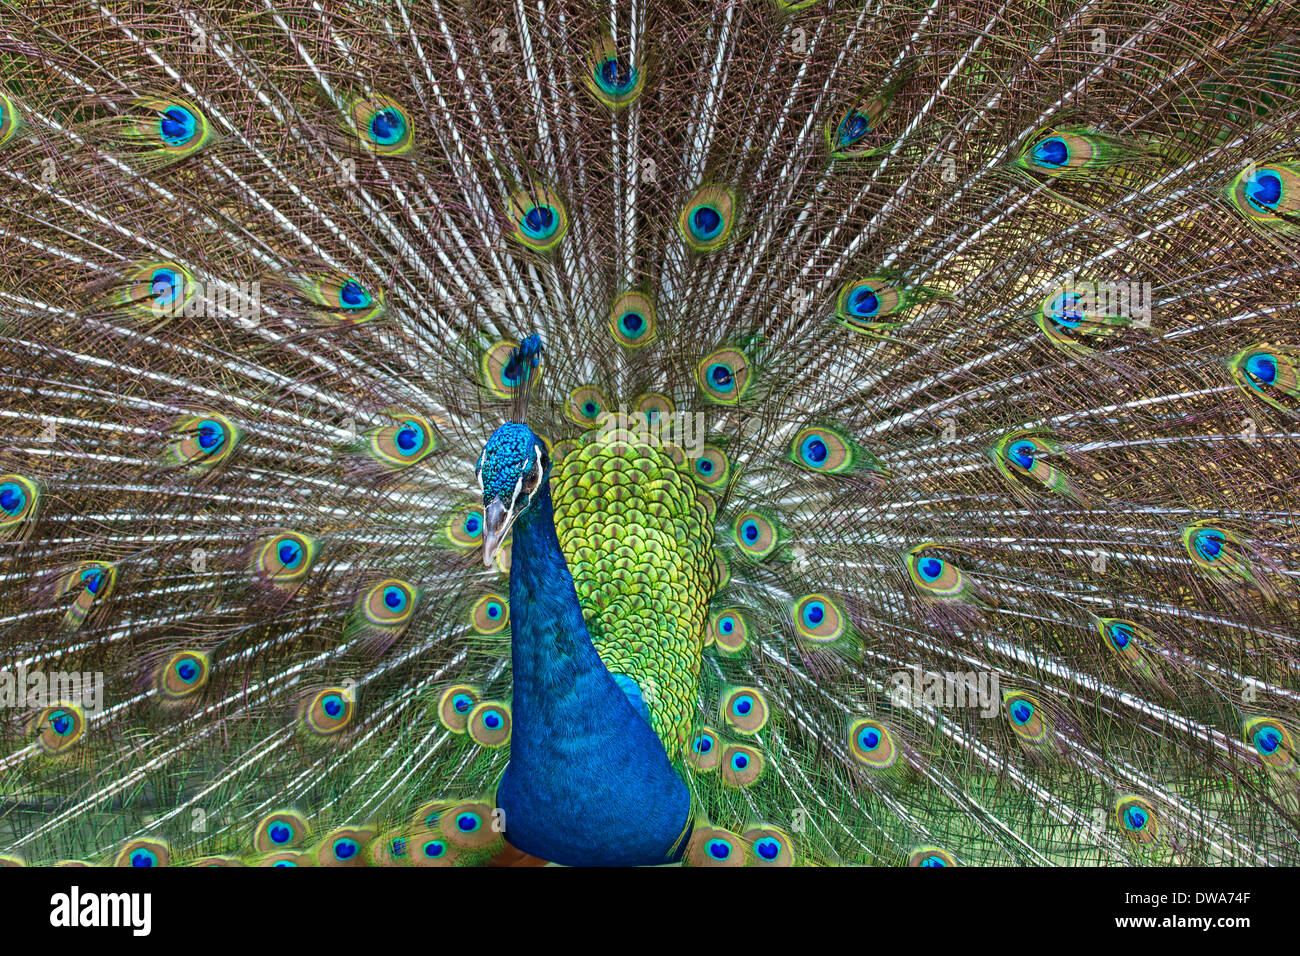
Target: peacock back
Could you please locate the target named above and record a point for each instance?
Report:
(639, 541)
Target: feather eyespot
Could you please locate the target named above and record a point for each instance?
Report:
(469, 826)
(771, 847)
(1052, 152)
(144, 853)
(344, 847)
(390, 602)
(353, 297)
(92, 583)
(867, 304)
(818, 619)
(852, 127)
(724, 376)
(285, 558)
(1124, 638)
(744, 710)
(632, 319)
(613, 77)
(428, 847)
(1026, 717)
(706, 221)
(337, 298)
(1270, 374)
(930, 856)
(742, 765)
(713, 846)
(539, 218)
(872, 744)
(728, 631)
(167, 129)
(10, 118)
(382, 125)
(1264, 192)
(1273, 742)
(933, 575)
(202, 440)
(711, 467)
(177, 125)
(1137, 819)
(490, 614)
(855, 133)
(822, 450)
(1068, 153)
(704, 750)
(500, 375)
(1029, 461)
(1268, 195)
(329, 711)
(58, 727)
(158, 290)
(1212, 547)
(465, 529)
(455, 705)
(756, 535)
(281, 830)
(184, 675)
(20, 500)
(406, 442)
(586, 405)
(489, 724)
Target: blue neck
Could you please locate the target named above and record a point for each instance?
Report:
(589, 782)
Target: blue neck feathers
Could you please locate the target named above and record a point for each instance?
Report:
(589, 783)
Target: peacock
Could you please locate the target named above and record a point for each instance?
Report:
(700, 432)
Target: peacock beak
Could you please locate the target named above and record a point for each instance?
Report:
(497, 519)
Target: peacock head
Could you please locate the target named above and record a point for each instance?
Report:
(511, 469)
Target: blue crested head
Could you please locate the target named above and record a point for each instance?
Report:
(507, 454)
(510, 471)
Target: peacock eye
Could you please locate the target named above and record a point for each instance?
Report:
(853, 127)
(354, 297)
(387, 126)
(1052, 152)
(539, 222)
(615, 77)
(382, 125)
(1262, 367)
(536, 468)
(539, 217)
(177, 125)
(706, 221)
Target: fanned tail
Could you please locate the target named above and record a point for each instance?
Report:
(969, 324)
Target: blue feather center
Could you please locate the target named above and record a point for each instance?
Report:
(1053, 152)
(388, 126)
(177, 125)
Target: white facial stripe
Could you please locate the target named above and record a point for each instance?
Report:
(515, 497)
